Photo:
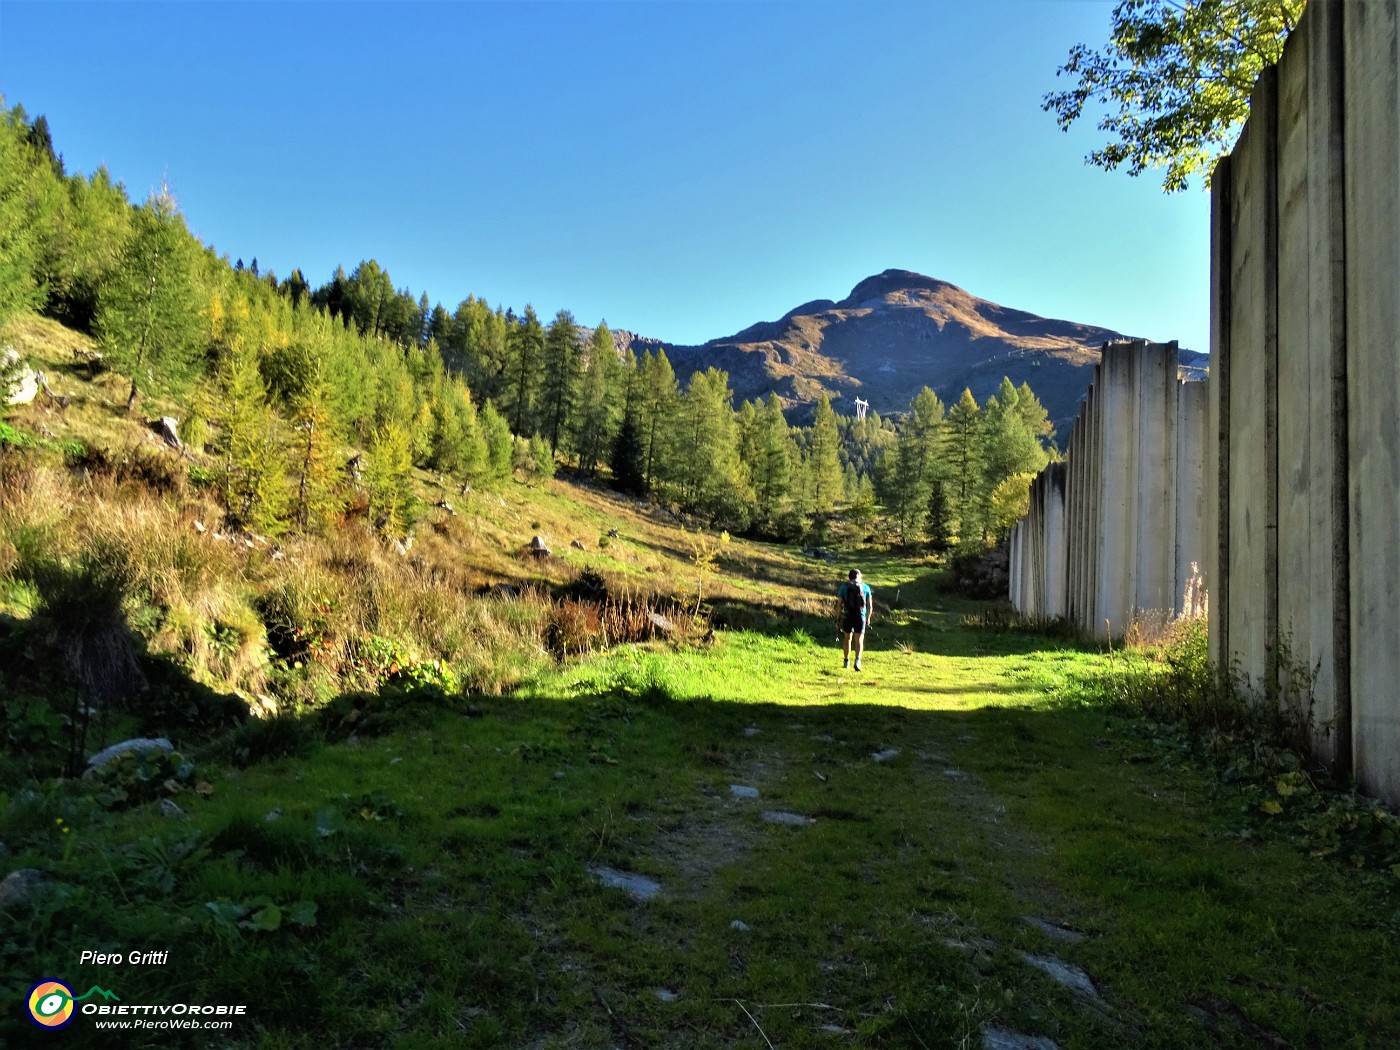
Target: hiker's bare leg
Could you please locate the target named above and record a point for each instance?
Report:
(860, 643)
(846, 645)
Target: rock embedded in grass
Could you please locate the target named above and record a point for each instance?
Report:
(141, 745)
(18, 886)
(741, 791)
(792, 820)
(994, 1038)
(639, 887)
(1072, 977)
(886, 755)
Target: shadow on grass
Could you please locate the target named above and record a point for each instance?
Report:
(449, 844)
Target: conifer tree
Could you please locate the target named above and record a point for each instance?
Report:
(1008, 447)
(629, 458)
(824, 458)
(939, 525)
(369, 295)
(318, 499)
(964, 463)
(707, 468)
(495, 436)
(862, 503)
(534, 459)
(657, 399)
(1033, 413)
(524, 358)
(334, 295)
(253, 479)
(477, 347)
(599, 402)
(19, 246)
(771, 470)
(148, 311)
(387, 477)
(563, 368)
(908, 470)
(82, 247)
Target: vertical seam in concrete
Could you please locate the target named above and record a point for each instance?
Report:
(1269, 80)
(1341, 455)
(1221, 190)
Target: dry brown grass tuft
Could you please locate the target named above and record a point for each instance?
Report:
(1156, 630)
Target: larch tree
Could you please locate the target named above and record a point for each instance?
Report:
(706, 451)
(563, 371)
(388, 480)
(824, 459)
(148, 311)
(19, 250)
(963, 451)
(496, 437)
(253, 475)
(599, 402)
(316, 444)
(658, 396)
(524, 359)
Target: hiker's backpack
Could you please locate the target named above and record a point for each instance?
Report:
(855, 599)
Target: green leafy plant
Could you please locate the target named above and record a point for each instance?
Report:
(136, 777)
(260, 914)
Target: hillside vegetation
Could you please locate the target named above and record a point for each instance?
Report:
(280, 382)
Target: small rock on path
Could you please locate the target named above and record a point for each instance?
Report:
(639, 887)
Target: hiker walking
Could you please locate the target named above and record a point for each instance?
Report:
(857, 603)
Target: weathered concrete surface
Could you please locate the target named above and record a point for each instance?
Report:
(1251, 454)
(1305, 439)
(1371, 174)
(1115, 529)
(1311, 305)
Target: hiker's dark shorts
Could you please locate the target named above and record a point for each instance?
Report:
(854, 623)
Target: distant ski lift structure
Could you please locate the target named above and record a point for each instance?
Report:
(861, 406)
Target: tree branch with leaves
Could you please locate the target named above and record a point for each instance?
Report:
(1174, 81)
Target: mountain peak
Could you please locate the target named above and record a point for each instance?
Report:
(890, 281)
(897, 331)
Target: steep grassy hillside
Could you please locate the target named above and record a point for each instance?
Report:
(121, 583)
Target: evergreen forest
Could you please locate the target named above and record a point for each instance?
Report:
(285, 382)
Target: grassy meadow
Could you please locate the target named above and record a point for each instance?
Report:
(972, 839)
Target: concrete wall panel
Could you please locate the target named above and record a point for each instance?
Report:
(1309, 224)
(1371, 178)
(1100, 541)
(1188, 552)
(1252, 335)
(1217, 566)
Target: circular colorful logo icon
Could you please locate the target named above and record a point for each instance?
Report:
(51, 1004)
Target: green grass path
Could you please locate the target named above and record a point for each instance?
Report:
(454, 866)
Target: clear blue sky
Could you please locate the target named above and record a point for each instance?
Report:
(679, 169)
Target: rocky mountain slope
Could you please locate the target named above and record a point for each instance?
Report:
(895, 333)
